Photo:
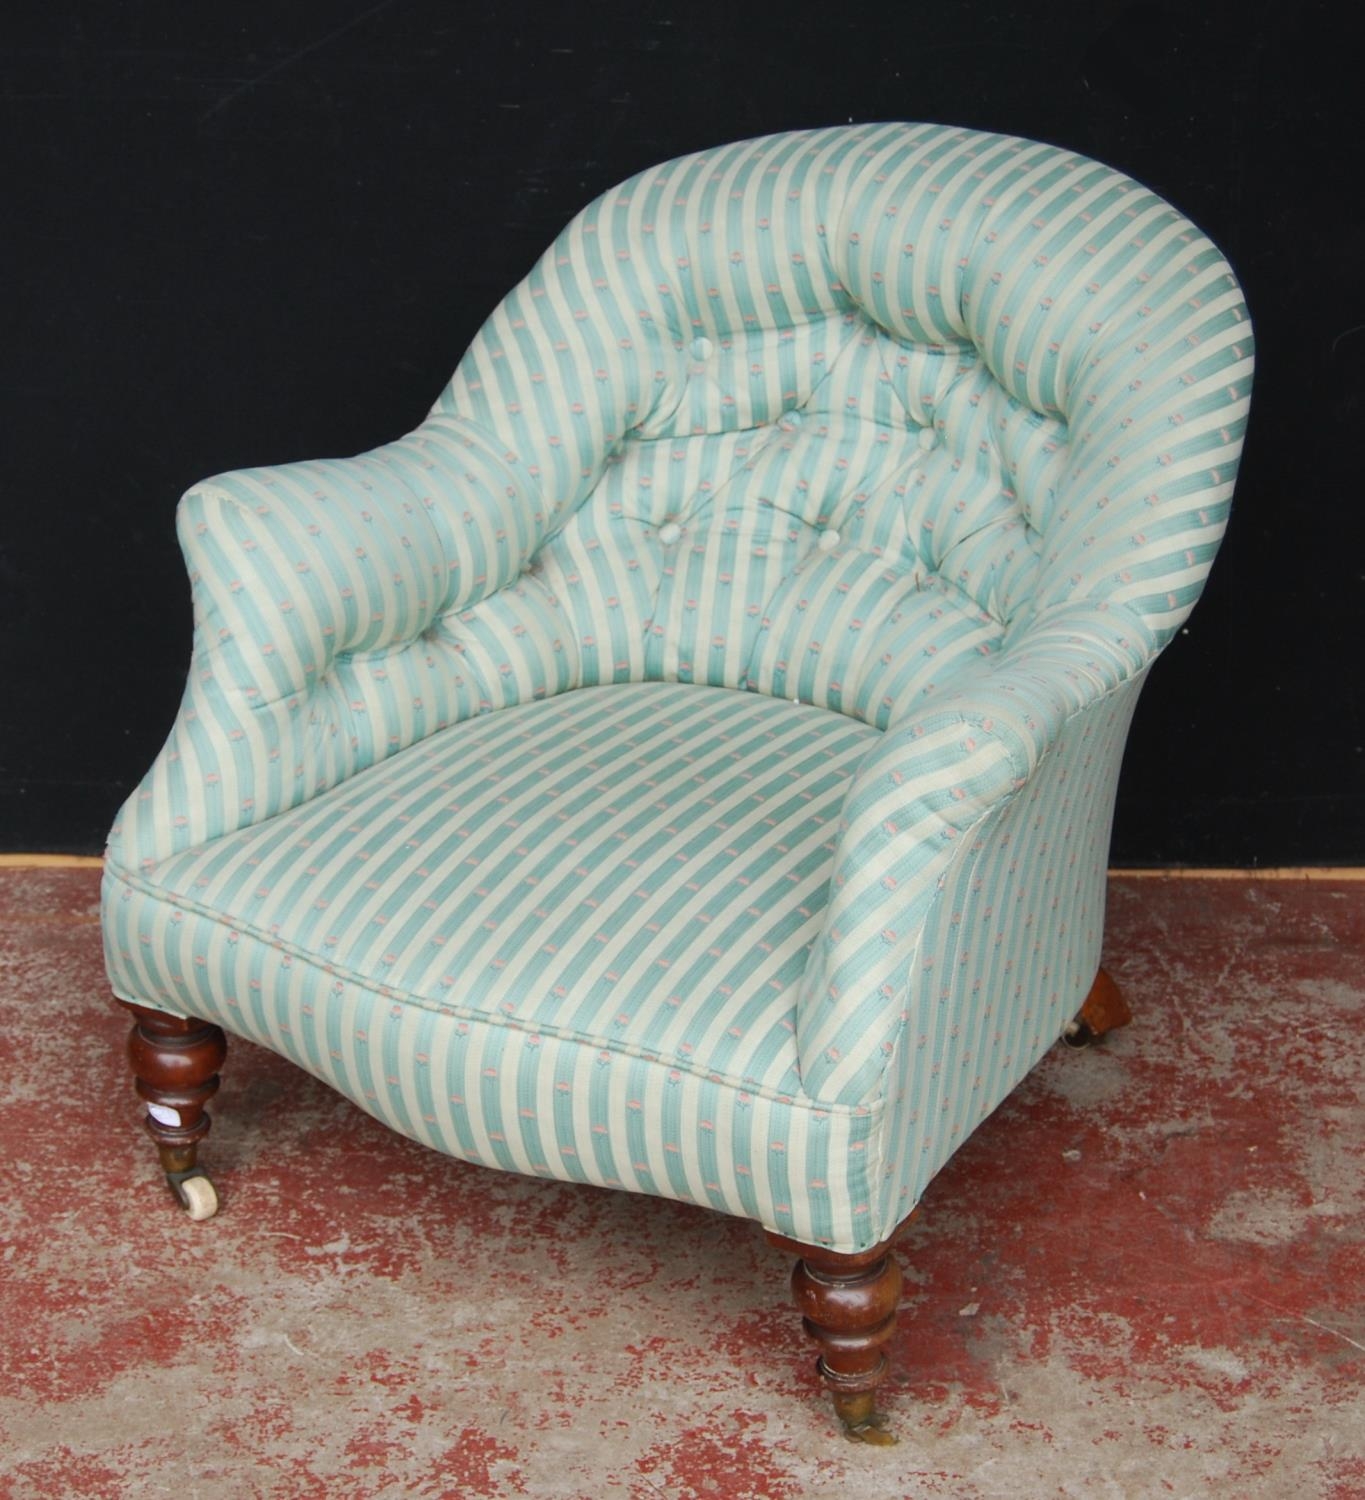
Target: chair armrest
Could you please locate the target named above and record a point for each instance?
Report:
(912, 811)
(298, 563)
(314, 587)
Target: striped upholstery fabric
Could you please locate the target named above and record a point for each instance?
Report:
(563, 939)
(861, 470)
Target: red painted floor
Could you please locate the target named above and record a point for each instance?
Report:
(1144, 1276)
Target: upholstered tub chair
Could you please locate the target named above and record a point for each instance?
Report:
(685, 763)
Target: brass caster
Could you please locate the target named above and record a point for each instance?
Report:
(195, 1193)
(862, 1422)
(1079, 1034)
(876, 1432)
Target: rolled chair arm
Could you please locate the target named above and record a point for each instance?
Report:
(912, 811)
(315, 585)
(299, 563)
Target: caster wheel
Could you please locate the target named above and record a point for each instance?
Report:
(1080, 1035)
(197, 1195)
(875, 1431)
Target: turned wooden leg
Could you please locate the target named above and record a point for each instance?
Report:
(1104, 1010)
(849, 1304)
(176, 1065)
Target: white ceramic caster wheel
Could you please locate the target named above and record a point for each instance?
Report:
(198, 1195)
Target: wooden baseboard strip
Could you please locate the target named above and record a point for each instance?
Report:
(1278, 872)
(50, 862)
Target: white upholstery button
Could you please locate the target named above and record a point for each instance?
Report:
(669, 533)
(702, 348)
(792, 418)
(828, 541)
(928, 438)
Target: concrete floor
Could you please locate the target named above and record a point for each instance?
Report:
(1144, 1276)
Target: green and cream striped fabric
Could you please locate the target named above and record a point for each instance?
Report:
(685, 762)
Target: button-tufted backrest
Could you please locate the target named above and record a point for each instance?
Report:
(827, 414)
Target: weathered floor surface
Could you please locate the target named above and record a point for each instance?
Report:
(1144, 1276)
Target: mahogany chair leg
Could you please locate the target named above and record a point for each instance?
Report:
(1104, 1010)
(849, 1304)
(176, 1065)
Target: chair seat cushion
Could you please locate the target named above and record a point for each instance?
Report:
(637, 867)
(578, 912)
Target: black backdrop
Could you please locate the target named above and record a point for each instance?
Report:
(249, 233)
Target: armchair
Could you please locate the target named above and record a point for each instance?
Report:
(685, 763)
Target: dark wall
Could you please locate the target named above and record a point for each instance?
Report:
(243, 234)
